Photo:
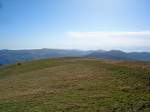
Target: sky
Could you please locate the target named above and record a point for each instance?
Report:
(75, 24)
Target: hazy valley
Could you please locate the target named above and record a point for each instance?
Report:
(13, 56)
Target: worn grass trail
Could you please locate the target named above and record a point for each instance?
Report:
(75, 85)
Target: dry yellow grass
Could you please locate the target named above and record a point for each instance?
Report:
(75, 85)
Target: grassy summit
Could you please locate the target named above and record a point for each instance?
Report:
(75, 85)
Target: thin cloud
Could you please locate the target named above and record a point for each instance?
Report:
(108, 40)
(108, 34)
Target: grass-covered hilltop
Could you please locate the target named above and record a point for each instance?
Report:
(75, 85)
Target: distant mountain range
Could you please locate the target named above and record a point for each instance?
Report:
(12, 56)
(120, 55)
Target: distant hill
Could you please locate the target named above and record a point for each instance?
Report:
(120, 55)
(12, 56)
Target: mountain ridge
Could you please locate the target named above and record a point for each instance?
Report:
(120, 55)
(13, 56)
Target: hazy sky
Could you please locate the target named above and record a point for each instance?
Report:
(75, 24)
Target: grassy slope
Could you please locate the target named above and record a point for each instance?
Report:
(75, 85)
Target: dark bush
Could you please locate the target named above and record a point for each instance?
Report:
(18, 64)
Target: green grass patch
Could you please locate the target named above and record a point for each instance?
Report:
(74, 85)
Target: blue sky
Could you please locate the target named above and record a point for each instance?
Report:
(75, 24)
